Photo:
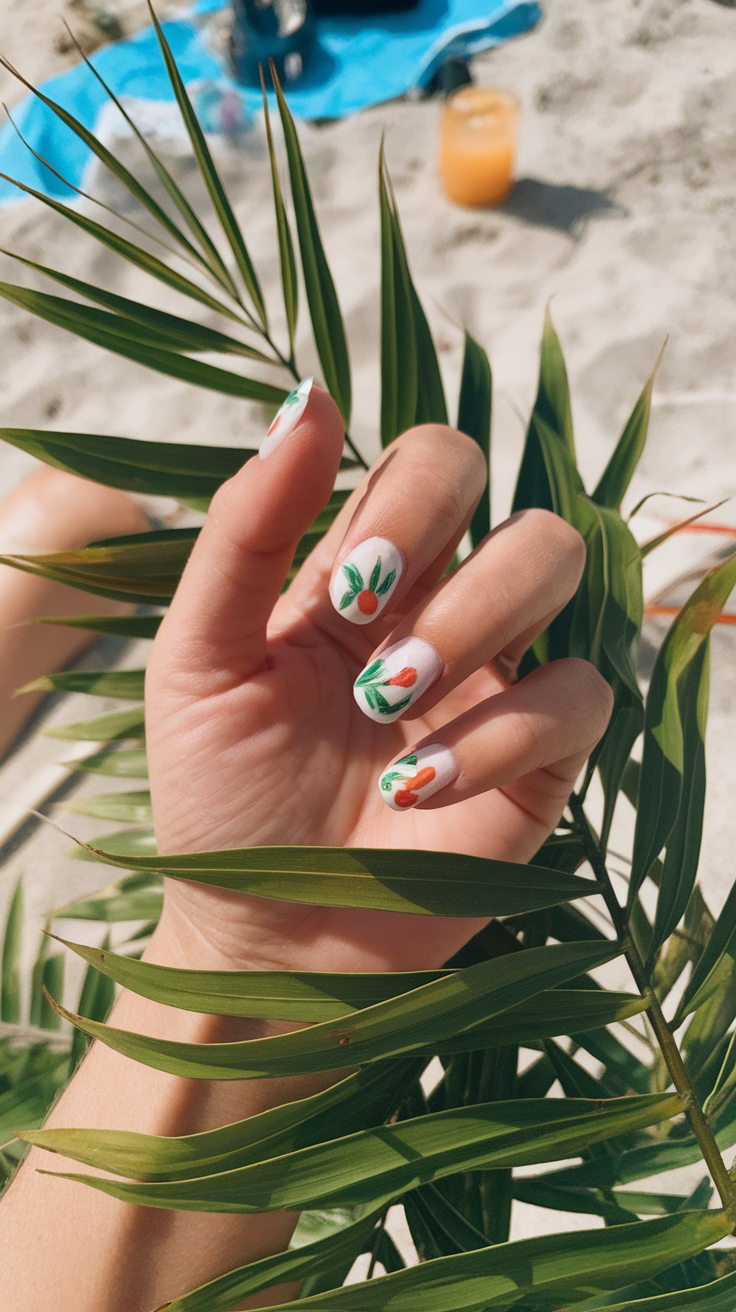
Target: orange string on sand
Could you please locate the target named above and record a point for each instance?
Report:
(675, 610)
(728, 529)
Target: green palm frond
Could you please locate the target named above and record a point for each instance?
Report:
(384, 1134)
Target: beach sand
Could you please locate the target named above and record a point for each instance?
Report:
(622, 216)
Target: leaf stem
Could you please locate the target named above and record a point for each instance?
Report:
(351, 445)
(290, 364)
(374, 1251)
(698, 1121)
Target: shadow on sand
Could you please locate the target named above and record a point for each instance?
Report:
(565, 208)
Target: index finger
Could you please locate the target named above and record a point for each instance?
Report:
(215, 631)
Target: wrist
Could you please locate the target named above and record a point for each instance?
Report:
(204, 928)
(219, 942)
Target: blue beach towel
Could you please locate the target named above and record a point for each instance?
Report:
(356, 63)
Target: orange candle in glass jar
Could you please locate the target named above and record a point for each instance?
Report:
(478, 145)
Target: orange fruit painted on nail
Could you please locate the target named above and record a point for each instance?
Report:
(405, 797)
(367, 602)
(421, 780)
(405, 678)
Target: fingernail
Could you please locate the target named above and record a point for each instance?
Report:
(396, 679)
(416, 777)
(366, 580)
(286, 418)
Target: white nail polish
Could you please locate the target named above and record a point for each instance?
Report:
(416, 776)
(394, 680)
(286, 419)
(366, 580)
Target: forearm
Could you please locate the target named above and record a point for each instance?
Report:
(81, 1250)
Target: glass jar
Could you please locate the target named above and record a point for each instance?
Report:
(478, 145)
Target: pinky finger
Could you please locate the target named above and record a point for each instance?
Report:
(549, 722)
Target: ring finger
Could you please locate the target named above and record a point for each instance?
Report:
(511, 587)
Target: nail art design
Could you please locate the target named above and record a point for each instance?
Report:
(366, 580)
(415, 777)
(286, 418)
(395, 679)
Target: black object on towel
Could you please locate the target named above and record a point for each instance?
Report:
(281, 30)
(357, 8)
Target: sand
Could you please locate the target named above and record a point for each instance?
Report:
(622, 215)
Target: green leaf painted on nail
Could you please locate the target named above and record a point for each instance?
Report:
(387, 582)
(408, 760)
(388, 709)
(387, 779)
(370, 698)
(346, 600)
(375, 576)
(354, 576)
(369, 673)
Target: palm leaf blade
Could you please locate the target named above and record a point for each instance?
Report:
(104, 728)
(390, 879)
(551, 411)
(324, 307)
(10, 982)
(129, 251)
(395, 1027)
(289, 283)
(125, 684)
(126, 626)
(398, 339)
(109, 160)
(211, 178)
(181, 334)
(212, 259)
(362, 1100)
(663, 762)
(617, 475)
(154, 468)
(150, 347)
(130, 808)
(365, 1167)
(474, 418)
(316, 996)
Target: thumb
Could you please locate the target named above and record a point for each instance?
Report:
(215, 631)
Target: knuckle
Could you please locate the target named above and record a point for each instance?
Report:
(438, 447)
(592, 695)
(565, 535)
(449, 504)
(556, 533)
(471, 453)
(527, 732)
(558, 551)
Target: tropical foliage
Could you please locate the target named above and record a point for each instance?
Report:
(664, 1055)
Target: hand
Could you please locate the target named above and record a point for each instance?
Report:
(255, 735)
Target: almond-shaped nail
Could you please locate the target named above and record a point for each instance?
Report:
(416, 776)
(286, 419)
(395, 679)
(366, 580)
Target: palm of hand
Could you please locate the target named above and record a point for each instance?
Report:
(287, 757)
(253, 731)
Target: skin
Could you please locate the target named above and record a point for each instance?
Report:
(255, 738)
(50, 511)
